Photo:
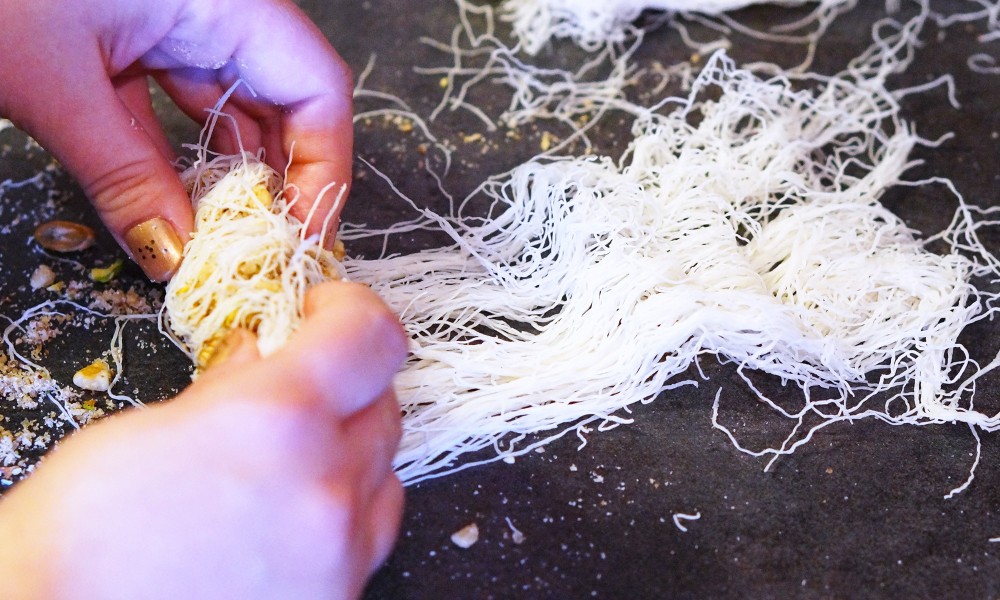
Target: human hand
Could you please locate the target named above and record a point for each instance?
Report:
(267, 478)
(75, 78)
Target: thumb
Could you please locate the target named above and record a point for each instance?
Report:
(347, 351)
(120, 166)
(237, 349)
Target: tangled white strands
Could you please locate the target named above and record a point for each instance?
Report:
(744, 224)
(397, 107)
(249, 262)
(593, 23)
(478, 56)
(603, 29)
(988, 12)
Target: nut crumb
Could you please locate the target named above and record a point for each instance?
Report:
(466, 536)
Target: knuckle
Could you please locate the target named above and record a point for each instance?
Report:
(117, 192)
(393, 419)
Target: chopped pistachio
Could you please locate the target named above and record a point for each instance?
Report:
(106, 274)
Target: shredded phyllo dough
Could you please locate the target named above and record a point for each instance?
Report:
(594, 23)
(249, 262)
(744, 224)
(478, 54)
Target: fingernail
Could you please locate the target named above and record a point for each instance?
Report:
(156, 247)
(225, 348)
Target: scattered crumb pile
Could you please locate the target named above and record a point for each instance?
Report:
(23, 390)
(76, 303)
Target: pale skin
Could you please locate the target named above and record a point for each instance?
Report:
(75, 77)
(268, 477)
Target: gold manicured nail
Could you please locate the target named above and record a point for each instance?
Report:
(156, 247)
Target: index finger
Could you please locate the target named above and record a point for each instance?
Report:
(289, 62)
(301, 98)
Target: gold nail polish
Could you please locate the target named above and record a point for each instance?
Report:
(156, 247)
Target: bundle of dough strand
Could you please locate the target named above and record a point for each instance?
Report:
(248, 263)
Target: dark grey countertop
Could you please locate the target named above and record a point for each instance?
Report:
(857, 513)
